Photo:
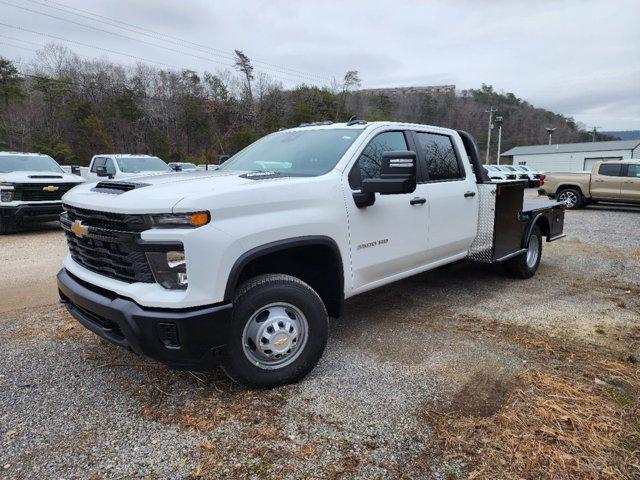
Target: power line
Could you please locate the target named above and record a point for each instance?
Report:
(208, 59)
(175, 40)
(17, 46)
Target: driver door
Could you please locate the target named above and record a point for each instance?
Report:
(389, 237)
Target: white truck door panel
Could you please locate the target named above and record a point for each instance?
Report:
(388, 237)
(451, 194)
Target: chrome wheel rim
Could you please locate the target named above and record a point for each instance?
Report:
(275, 336)
(532, 251)
(569, 198)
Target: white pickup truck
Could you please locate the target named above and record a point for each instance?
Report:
(117, 166)
(242, 266)
(31, 188)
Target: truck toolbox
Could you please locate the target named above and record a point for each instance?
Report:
(503, 220)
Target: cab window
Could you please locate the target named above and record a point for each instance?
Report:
(110, 166)
(610, 169)
(370, 160)
(633, 171)
(98, 162)
(442, 161)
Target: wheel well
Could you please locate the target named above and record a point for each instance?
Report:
(318, 265)
(543, 223)
(564, 187)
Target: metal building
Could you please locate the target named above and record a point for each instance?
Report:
(571, 157)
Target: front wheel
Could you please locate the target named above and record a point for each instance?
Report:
(279, 331)
(7, 226)
(526, 265)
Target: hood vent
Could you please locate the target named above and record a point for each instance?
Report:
(117, 188)
(45, 176)
(261, 175)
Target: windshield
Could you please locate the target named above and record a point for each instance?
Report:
(295, 153)
(142, 164)
(28, 163)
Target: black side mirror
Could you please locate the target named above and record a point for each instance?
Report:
(397, 174)
(102, 172)
(75, 170)
(222, 159)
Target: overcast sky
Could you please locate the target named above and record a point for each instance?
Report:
(580, 58)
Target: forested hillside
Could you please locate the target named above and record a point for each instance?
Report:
(72, 108)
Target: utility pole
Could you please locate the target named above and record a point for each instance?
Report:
(550, 130)
(491, 111)
(499, 123)
(593, 133)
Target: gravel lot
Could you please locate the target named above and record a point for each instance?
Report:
(454, 339)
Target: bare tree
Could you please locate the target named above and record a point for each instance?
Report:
(350, 81)
(243, 65)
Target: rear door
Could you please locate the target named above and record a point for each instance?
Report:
(631, 184)
(606, 183)
(451, 195)
(389, 237)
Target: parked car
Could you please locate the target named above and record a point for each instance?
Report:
(242, 266)
(511, 170)
(614, 181)
(533, 176)
(182, 166)
(31, 186)
(498, 174)
(123, 166)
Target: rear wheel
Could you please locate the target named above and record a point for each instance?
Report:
(278, 333)
(571, 197)
(526, 265)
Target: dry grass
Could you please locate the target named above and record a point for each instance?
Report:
(553, 426)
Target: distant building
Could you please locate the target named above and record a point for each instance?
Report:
(434, 90)
(571, 157)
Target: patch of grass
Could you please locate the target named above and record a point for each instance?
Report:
(600, 331)
(552, 426)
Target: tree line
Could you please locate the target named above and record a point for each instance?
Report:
(72, 108)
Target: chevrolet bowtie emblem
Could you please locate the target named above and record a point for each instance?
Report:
(50, 188)
(79, 229)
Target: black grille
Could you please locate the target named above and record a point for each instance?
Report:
(121, 261)
(511, 176)
(110, 248)
(40, 192)
(120, 222)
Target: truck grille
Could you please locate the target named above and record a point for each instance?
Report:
(110, 248)
(120, 222)
(39, 192)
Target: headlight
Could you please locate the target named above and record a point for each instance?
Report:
(179, 220)
(169, 269)
(6, 192)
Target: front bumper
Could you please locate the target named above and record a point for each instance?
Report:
(186, 339)
(32, 212)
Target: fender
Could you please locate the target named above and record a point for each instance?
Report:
(541, 219)
(276, 246)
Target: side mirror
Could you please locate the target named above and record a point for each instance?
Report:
(222, 159)
(102, 172)
(75, 170)
(397, 174)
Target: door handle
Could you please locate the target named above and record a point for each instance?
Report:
(469, 194)
(418, 201)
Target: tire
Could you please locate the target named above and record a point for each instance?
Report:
(526, 265)
(301, 324)
(571, 197)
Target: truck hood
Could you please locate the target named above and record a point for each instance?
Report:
(40, 177)
(159, 193)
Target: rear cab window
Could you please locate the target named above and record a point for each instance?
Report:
(441, 159)
(610, 169)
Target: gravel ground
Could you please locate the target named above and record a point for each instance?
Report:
(73, 406)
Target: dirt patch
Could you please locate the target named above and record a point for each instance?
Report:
(483, 395)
